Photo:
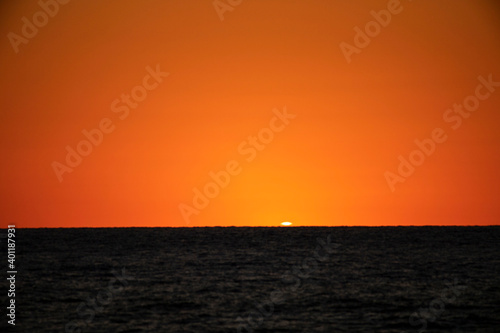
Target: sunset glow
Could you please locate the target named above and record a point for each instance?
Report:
(175, 114)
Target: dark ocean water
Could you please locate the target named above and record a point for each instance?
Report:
(405, 279)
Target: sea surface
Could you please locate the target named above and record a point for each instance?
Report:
(311, 279)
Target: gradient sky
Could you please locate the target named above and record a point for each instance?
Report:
(326, 167)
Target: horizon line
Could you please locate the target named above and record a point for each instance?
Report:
(282, 227)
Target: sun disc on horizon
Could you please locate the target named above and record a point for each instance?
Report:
(286, 223)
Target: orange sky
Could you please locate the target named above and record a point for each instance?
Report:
(327, 166)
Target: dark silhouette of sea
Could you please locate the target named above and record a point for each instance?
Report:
(311, 279)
